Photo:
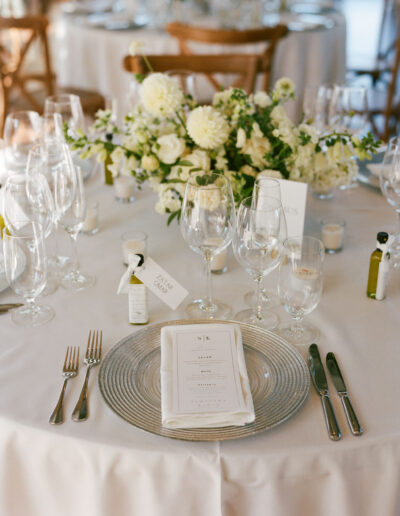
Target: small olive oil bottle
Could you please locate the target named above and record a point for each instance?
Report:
(376, 262)
(137, 299)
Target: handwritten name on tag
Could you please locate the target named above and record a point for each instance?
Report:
(161, 283)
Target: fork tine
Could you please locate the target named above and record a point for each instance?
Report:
(101, 344)
(66, 358)
(88, 345)
(76, 362)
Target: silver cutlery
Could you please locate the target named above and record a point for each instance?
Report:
(92, 358)
(340, 386)
(321, 385)
(4, 308)
(70, 369)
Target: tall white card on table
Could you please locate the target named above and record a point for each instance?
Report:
(294, 200)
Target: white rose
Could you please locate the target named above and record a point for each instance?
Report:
(257, 148)
(199, 159)
(129, 165)
(171, 147)
(207, 127)
(241, 138)
(262, 99)
(136, 47)
(117, 156)
(161, 95)
(149, 163)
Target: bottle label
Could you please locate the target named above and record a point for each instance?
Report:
(137, 299)
(383, 275)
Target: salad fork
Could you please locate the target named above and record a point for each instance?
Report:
(70, 369)
(92, 358)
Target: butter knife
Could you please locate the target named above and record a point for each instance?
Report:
(340, 386)
(4, 308)
(321, 385)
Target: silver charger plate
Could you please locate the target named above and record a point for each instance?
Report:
(129, 381)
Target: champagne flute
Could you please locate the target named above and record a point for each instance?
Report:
(22, 130)
(71, 220)
(258, 249)
(26, 272)
(207, 222)
(300, 286)
(265, 187)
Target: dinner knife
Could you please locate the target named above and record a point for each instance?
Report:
(4, 308)
(321, 385)
(340, 386)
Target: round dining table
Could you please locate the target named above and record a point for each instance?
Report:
(88, 51)
(106, 466)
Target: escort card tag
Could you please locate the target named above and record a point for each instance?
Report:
(161, 283)
(294, 198)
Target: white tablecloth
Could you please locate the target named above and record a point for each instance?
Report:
(106, 467)
(88, 57)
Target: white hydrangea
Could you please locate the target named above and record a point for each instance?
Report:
(257, 148)
(170, 148)
(168, 200)
(208, 198)
(283, 89)
(129, 165)
(207, 127)
(268, 172)
(161, 95)
(262, 99)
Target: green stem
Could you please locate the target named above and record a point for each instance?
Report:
(151, 69)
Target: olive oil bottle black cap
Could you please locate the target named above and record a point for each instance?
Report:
(141, 261)
(382, 237)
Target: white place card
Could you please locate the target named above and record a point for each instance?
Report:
(161, 283)
(205, 376)
(294, 199)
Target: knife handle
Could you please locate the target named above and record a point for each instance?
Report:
(351, 416)
(330, 419)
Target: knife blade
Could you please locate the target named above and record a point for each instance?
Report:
(321, 385)
(340, 386)
(4, 308)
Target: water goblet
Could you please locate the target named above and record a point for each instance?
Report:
(69, 107)
(300, 286)
(72, 220)
(26, 272)
(22, 130)
(258, 249)
(390, 189)
(207, 222)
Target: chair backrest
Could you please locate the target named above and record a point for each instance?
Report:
(267, 35)
(17, 37)
(244, 65)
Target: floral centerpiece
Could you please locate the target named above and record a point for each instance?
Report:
(167, 136)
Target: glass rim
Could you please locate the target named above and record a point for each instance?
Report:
(62, 98)
(212, 186)
(23, 112)
(300, 238)
(37, 228)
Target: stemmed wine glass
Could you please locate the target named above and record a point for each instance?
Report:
(69, 107)
(207, 223)
(53, 159)
(71, 219)
(348, 110)
(265, 187)
(258, 249)
(26, 272)
(316, 102)
(22, 130)
(390, 185)
(300, 286)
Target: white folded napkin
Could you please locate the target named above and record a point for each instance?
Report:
(170, 419)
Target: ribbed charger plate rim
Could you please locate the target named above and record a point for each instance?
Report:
(124, 396)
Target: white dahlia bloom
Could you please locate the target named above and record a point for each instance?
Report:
(136, 47)
(207, 127)
(161, 95)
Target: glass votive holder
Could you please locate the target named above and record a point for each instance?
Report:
(90, 225)
(124, 189)
(133, 242)
(332, 234)
(219, 264)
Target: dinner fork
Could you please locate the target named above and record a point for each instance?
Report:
(92, 358)
(70, 369)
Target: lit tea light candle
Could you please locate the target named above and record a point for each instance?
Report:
(124, 188)
(332, 235)
(90, 225)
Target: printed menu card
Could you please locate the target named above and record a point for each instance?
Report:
(204, 381)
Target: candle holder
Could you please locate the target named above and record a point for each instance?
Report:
(90, 225)
(133, 242)
(124, 189)
(332, 234)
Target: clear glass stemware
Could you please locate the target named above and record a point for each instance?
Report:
(300, 286)
(257, 247)
(390, 186)
(26, 272)
(22, 130)
(71, 219)
(207, 222)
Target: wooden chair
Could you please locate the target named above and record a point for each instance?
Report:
(231, 37)
(16, 90)
(245, 65)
